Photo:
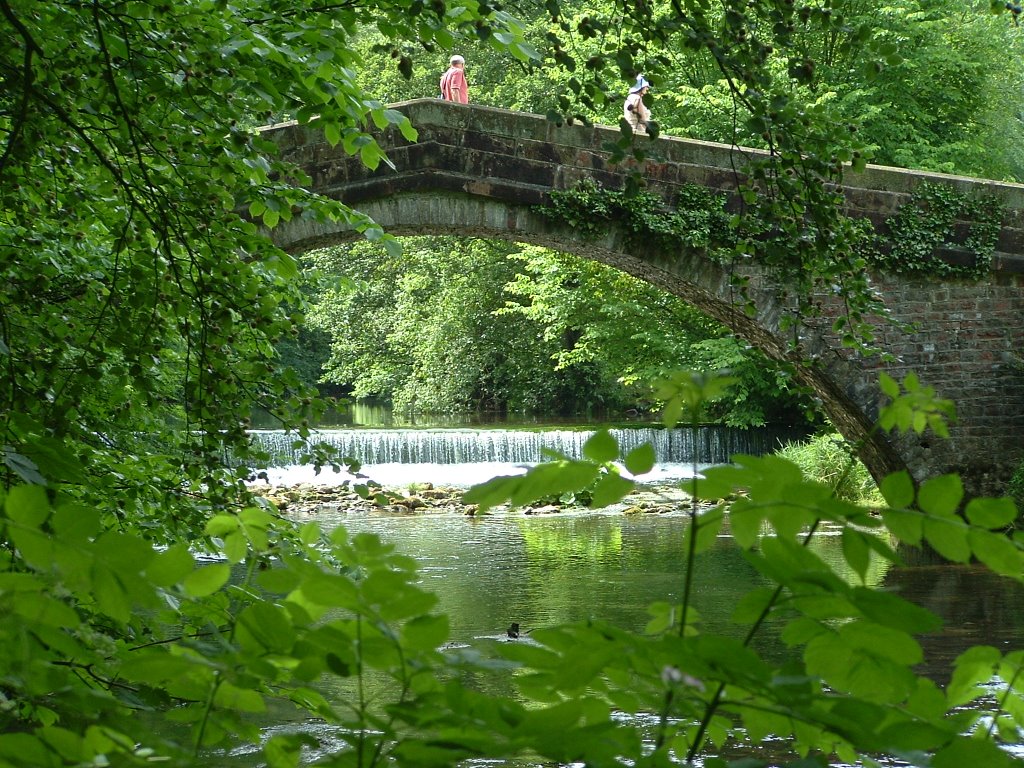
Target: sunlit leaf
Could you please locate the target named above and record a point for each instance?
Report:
(170, 566)
(941, 495)
(27, 505)
(601, 447)
(898, 489)
(206, 580)
(906, 526)
(640, 460)
(949, 537)
(991, 513)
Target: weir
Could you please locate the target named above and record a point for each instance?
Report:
(710, 444)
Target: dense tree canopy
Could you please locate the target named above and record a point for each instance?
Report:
(158, 613)
(455, 326)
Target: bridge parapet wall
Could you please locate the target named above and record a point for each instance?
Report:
(520, 158)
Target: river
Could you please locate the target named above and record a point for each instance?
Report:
(542, 570)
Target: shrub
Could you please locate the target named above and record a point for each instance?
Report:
(827, 459)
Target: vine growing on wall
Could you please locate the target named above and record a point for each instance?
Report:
(697, 220)
(824, 259)
(937, 218)
(929, 224)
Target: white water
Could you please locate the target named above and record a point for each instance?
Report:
(394, 475)
(464, 457)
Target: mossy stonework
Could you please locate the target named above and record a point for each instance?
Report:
(948, 272)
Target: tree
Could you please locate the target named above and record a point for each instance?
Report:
(423, 333)
(640, 334)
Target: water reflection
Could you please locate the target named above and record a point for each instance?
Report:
(977, 606)
(544, 570)
(554, 569)
(571, 566)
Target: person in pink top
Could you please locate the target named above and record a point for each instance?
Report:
(453, 82)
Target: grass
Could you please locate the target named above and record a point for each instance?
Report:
(827, 459)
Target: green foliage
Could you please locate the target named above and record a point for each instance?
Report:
(827, 460)
(928, 223)
(1015, 488)
(914, 407)
(107, 624)
(142, 304)
(463, 326)
(696, 219)
(428, 333)
(851, 688)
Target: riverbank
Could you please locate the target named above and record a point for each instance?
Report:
(303, 500)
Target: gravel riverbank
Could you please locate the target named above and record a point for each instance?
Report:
(305, 500)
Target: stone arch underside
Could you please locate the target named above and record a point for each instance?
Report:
(848, 391)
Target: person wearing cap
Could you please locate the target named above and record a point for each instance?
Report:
(634, 110)
(453, 82)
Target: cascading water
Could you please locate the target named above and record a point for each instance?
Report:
(446, 448)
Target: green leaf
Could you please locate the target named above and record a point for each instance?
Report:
(752, 605)
(221, 525)
(111, 595)
(663, 617)
(610, 489)
(489, 494)
(991, 513)
(44, 610)
(941, 495)
(425, 632)
(278, 580)
(966, 751)
(708, 526)
(640, 460)
(601, 447)
(25, 749)
(745, 524)
(948, 537)
(898, 489)
(170, 566)
(713, 486)
(997, 551)
(906, 526)
(76, 523)
(285, 750)
(552, 479)
(886, 642)
(331, 590)
(332, 132)
(856, 551)
(35, 547)
(972, 669)
(912, 736)
(27, 505)
(207, 580)
(235, 547)
(893, 611)
(23, 467)
(230, 696)
(264, 626)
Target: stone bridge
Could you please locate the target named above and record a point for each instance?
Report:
(478, 172)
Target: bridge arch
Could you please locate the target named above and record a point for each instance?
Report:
(479, 172)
